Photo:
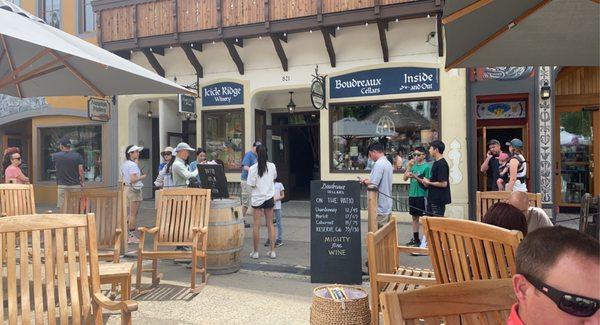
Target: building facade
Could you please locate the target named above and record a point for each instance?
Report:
(36, 124)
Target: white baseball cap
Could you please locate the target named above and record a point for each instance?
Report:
(135, 148)
(183, 146)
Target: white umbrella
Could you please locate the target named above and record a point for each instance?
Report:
(37, 59)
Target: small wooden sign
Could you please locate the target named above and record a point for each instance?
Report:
(98, 109)
(212, 176)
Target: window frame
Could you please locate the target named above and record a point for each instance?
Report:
(42, 12)
(207, 113)
(81, 21)
(334, 106)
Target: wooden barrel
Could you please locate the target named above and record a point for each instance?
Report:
(225, 237)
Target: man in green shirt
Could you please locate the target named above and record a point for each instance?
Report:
(416, 170)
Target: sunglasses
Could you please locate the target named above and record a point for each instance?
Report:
(571, 304)
(17, 158)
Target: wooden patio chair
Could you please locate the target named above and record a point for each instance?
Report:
(44, 286)
(474, 302)
(16, 199)
(464, 250)
(486, 199)
(181, 220)
(385, 271)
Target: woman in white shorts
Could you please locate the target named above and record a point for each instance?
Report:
(132, 179)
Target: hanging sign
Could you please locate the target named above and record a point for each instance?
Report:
(187, 103)
(317, 93)
(385, 81)
(223, 93)
(98, 109)
(501, 110)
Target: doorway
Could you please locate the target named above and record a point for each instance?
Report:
(295, 151)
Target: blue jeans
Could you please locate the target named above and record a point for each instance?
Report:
(277, 213)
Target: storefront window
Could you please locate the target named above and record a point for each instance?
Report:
(86, 140)
(223, 134)
(399, 126)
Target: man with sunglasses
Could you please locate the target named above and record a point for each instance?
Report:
(558, 278)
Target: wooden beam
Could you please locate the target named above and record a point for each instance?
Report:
(280, 52)
(189, 53)
(465, 11)
(382, 26)
(10, 64)
(157, 50)
(38, 71)
(329, 45)
(77, 74)
(124, 54)
(235, 56)
(440, 36)
(495, 35)
(154, 62)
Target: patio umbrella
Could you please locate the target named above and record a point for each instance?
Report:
(492, 33)
(37, 59)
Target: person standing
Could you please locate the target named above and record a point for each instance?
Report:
(517, 167)
(167, 155)
(279, 195)
(69, 170)
(200, 160)
(381, 176)
(12, 172)
(261, 178)
(416, 170)
(249, 159)
(132, 180)
(491, 165)
(180, 172)
(438, 185)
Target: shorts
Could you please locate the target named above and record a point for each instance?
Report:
(132, 194)
(416, 206)
(268, 204)
(436, 210)
(383, 219)
(246, 194)
(62, 190)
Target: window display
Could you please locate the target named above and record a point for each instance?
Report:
(223, 134)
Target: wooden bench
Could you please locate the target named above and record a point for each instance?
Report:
(464, 250)
(45, 286)
(16, 199)
(181, 220)
(385, 271)
(485, 200)
(474, 302)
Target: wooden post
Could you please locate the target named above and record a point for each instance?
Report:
(372, 196)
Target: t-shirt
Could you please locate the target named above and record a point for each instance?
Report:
(263, 188)
(381, 175)
(248, 160)
(278, 188)
(537, 218)
(416, 189)
(440, 172)
(128, 168)
(493, 173)
(67, 164)
(11, 173)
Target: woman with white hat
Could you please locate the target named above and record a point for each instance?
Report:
(164, 178)
(132, 178)
(166, 155)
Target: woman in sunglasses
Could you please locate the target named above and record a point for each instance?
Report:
(12, 172)
(558, 278)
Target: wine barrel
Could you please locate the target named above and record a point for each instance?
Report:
(225, 237)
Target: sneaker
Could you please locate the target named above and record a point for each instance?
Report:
(272, 254)
(268, 243)
(132, 238)
(278, 243)
(254, 255)
(413, 243)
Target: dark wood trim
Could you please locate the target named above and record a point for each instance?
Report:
(267, 12)
(99, 29)
(333, 106)
(440, 36)
(124, 54)
(329, 45)
(189, 53)
(206, 112)
(382, 26)
(219, 18)
(402, 11)
(175, 24)
(280, 52)
(235, 56)
(319, 11)
(135, 29)
(154, 62)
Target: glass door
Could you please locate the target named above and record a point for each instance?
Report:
(578, 156)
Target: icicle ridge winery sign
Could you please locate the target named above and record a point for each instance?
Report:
(223, 93)
(385, 81)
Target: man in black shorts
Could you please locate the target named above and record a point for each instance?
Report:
(438, 194)
(416, 170)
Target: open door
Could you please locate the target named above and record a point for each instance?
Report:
(280, 156)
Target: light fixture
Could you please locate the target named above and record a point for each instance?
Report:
(310, 31)
(367, 24)
(291, 106)
(213, 42)
(428, 15)
(338, 28)
(259, 37)
(284, 34)
(149, 112)
(192, 45)
(545, 91)
(396, 19)
(175, 79)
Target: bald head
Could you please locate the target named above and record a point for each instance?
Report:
(519, 200)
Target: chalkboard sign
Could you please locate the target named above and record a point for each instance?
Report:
(335, 244)
(212, 176)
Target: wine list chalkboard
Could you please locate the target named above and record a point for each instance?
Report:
(335, 244)
(212, 177)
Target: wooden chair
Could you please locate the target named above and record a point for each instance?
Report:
(474, 302)
(385, 271)
(16, 199)
(464, 250)
(44, 286)
(181, 220)
(590, 215)
(486, 199)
